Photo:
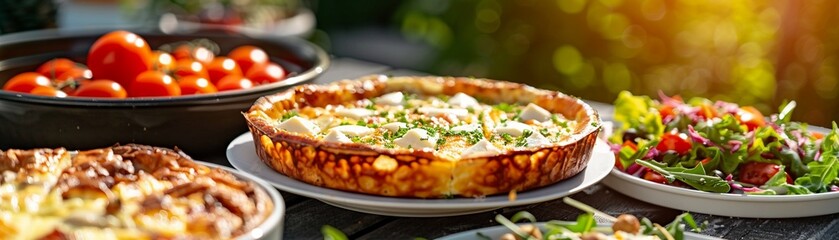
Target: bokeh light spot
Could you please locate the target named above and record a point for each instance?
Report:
(487, 20)
(613, 25)
(611, 3)
(567, 60)
(582, 78)
(725, 37)
(517, 44)
(439, 34)
(414, 25)
(616, 77)
(653, 9)
(634, 36)
(808, 48)
(571, 6)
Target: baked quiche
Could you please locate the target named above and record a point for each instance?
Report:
(123, 192)
(424, 137)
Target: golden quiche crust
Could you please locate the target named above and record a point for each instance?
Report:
(363, 168)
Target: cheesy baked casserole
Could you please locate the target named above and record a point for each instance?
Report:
(424, 137)
(123, 192)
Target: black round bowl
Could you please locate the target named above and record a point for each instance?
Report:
(201, 125)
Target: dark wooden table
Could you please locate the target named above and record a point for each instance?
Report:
(305, 216)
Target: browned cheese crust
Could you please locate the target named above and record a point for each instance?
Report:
(362, 168)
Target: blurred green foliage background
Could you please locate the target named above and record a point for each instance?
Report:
(749, 52)
(752, 52)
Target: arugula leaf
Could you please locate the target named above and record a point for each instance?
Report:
(727, 129)
(637, 112)
(695, 177)
(791, 158)
(823, 173)
(732, 160)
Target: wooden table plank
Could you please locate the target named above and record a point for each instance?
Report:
(304, 220)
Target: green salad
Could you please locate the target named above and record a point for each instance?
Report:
(625, 226)
(722, 147)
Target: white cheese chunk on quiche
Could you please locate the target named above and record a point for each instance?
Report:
(424, 136)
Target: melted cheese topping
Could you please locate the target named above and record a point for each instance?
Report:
(454, 127)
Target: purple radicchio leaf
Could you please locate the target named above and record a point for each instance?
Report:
(698, 138)
(734, 145)
(727, 107)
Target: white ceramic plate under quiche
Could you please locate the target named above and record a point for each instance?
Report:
(496, 232)
(242, 155)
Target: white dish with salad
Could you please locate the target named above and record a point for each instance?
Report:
(723, 159)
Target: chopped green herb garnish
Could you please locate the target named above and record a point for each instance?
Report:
(401, 116)
(361, 122)
(544, 132)
(507, 138)
(444, 98)
(559, 122)
(505, 107)
(288, 115)
(441, 141)
(370, 106)
(521, 141)
(390, 136)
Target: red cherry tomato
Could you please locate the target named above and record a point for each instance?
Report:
(119, 56)
(751, 117)
(48, 91)
(27, 81)
(74, 74)
(222, 66)
(190, 68)
(232, 82)
(154, 84)
(193, 52)
(665, 111)
(653, 176)
(101, 88)
(266, 73)
(52, 69)
(247, 56)
(757, 173)
(162, 61)
(71, 86)
(675, 142)
(196, 85)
